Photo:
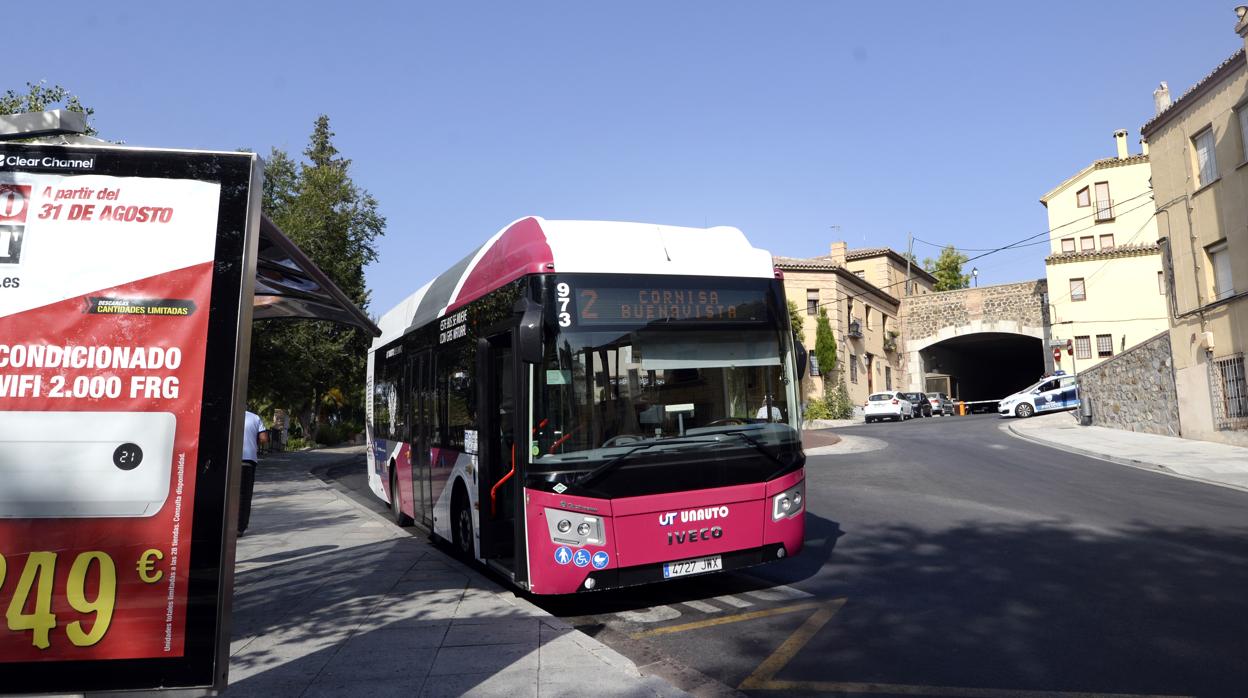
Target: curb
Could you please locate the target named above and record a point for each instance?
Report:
(1118, 460)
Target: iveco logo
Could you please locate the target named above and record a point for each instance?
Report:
(680, 537)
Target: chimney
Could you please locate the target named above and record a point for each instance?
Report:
(1120, 139)
(837, 253)
(1161, 97)
(1241, 27)
(1143, 147)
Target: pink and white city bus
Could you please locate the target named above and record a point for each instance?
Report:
(586, 405)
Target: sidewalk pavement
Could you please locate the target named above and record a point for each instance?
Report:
(331, 599)
(1214, 463)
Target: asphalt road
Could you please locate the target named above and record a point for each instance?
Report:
(945, 557)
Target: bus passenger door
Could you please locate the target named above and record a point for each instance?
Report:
(502, 457)
(422, 436)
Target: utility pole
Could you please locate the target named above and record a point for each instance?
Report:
(909, 256)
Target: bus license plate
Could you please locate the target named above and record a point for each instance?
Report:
(699, 565)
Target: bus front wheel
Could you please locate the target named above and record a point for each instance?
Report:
(461, 522)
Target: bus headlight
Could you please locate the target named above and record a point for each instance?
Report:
(788, 503)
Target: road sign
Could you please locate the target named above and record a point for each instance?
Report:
(1057, 354)
(1057, 342)
(1070, 347)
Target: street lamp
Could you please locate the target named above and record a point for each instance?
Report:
(975, 275)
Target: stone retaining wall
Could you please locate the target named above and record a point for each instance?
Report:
(1135, 390)
(1020, 303)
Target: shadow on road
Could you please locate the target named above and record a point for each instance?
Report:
(1047, 606)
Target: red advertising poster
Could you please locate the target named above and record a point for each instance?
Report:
(106, 282)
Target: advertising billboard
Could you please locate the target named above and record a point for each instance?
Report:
(125, 307)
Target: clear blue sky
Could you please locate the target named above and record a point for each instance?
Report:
(784, 119)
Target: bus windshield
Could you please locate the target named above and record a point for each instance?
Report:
(665, 397)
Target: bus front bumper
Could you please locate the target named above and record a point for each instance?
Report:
(618, 577)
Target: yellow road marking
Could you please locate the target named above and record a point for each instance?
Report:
(785, 652)
(940, 691)
(710, 622)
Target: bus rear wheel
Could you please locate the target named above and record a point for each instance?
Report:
(396, 503)
(461, 522)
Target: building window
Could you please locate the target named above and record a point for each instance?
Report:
(1206, 162)
(1083, 347)
(1161, 283)
(1104, 345)
(888, 377)
(849, 309)
(1107, 241)
(812, 301)
(1104, 204)
(1230, 392)
(853, 368)
(1220, 262)
(1068, 244)
(1242, 113)
(1087, 244)
(1083, 198)
(1077, 291)
(867, 311)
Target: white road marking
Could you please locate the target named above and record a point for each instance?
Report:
(733, 601)
(779, 593)
(702, 606)
(656, 614)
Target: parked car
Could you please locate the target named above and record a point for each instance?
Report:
(941, 404)
(888, 405)
(922, 407)
(1052, 394)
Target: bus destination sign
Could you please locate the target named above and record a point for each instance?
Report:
(610, 306)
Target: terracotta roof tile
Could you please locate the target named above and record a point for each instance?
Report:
(1174, 106)
(1137, 250)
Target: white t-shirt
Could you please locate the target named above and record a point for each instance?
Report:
(252, 426)
(775, 413)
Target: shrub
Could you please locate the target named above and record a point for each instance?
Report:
(818, 409)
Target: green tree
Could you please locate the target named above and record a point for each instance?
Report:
(40, 97)
(796, 320)
(825, 349)
(947, 268)
(315, 369)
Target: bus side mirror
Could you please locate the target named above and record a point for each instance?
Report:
(529, 336)
(802, 358)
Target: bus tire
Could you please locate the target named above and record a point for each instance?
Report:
(1024, 410)
(461, 521)
(396, 506)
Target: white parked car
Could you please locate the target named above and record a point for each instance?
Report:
(888, 405)
(1049, 395)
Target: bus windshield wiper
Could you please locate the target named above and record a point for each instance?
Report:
(758, 446)
(611, 464)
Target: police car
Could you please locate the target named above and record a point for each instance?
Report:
(1052, 394)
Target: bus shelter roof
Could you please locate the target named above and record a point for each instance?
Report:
(289, 285)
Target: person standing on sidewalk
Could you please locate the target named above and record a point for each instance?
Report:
(254, 436)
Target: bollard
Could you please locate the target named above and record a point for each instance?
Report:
(961, 409)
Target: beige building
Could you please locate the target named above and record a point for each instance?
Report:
(1106, 292)
(863, 314)
(1199, 151)
(886, 269)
